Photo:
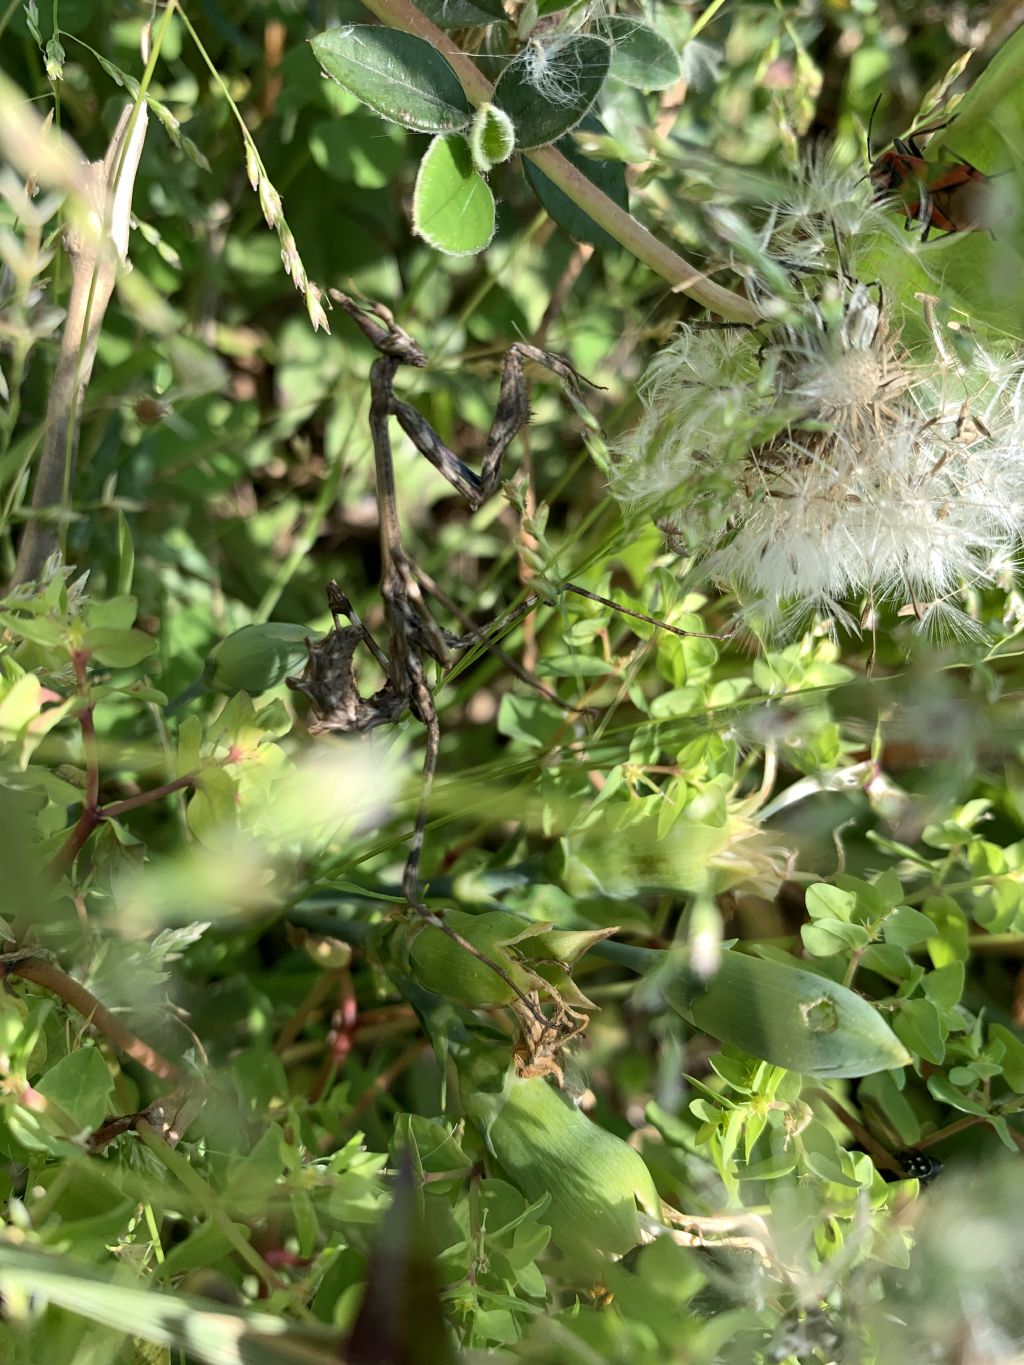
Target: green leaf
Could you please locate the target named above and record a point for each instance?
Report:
(125, 554)
(221, 1336)
(80, 1084)
(492, 138)
(546, 92)
(452, 206)
(529, 719)
(551, 1150)
(828, 936)
(399, 75)
(257, 657)
(40, 630)
(463, 13)
(608, 176)
(784, 1015)
(907, 927)
(1013, 1056)
(116, 613)
(943, 1089)
(952, 930)
(640, 56)
(945, 986)
(888, 960)
(829, 902)
(20, 704)
(918, 1025)
(213, 807)
(573, 665)
(119, 648)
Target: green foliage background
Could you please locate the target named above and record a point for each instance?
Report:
(356, 1156)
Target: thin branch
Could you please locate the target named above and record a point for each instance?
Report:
(93, 815)
(119, 808)
(48, 975)
(683, 277)
(883, 1159)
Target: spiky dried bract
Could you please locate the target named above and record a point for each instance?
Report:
(815, 465)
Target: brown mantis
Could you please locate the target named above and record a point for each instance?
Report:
(413, 635)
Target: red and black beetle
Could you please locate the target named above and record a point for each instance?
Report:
(948, 196)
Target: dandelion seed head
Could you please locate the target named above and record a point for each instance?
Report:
(815, 465)
(695, 395)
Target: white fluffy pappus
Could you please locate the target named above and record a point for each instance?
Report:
(820, 471)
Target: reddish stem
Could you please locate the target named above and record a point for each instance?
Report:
(119, 808)
(73, 993)
(92, 815)
(340, 1037)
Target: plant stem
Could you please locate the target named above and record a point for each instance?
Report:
(683, 277)
(93, 815)
(94, 257)
(48, 975)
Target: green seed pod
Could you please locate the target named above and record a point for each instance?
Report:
(441, 965)
(547, 1146)
(256, 657)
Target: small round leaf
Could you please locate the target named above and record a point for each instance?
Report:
(452, 206)
(399, 75)
(547, 89)
(492, 138)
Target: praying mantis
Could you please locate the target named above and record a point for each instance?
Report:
(413, 634)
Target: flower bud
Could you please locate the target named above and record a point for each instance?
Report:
(445, 967)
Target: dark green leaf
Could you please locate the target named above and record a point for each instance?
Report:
(547, 91)
(398, 74)
(463, 13)
(608, 176)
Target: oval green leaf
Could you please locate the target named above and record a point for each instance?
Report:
(80, 1084)
(119, 648)
(547, 91)
(608, 176)
(257, 657)
(399, 75)
(641, 57)
(452, 206)
(463, 13)
(786, 1016)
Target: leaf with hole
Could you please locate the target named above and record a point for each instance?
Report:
(399, 75)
